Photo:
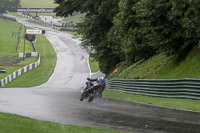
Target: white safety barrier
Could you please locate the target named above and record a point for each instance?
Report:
(19, 72)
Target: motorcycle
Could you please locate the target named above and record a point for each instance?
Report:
(89, 92)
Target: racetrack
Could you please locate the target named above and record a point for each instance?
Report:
(58, 99)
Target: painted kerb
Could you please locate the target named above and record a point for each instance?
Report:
(19, 72)
(172, 88)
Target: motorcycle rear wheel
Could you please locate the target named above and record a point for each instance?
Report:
(91, 96)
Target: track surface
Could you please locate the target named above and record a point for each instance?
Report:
(58, 99)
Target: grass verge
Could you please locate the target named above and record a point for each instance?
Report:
(18, 124)
(94, 65)
(11, 69)
(41, 74)
(186, 104)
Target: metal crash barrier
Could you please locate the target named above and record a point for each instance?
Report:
(172, 88)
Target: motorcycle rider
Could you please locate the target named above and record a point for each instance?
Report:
(102, 83)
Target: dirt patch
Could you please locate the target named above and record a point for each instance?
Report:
(9, 60)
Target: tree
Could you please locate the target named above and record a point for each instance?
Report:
(2, 6)
(135, 29)
(190, 22)
(8, 4)
(159, 27)
(127, 37)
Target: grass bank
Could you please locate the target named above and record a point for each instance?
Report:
(184, 65)
(18, 124)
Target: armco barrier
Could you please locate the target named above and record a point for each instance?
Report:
(19, 72)
(173, 88)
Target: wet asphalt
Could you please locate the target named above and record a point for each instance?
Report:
(58, 99)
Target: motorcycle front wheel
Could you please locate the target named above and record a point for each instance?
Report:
(82, 97)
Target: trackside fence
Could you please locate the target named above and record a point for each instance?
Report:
(19, 72)
(171, 88)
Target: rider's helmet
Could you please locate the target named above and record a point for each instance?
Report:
(103, 78)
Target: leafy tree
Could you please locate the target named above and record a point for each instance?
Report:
(190, 22)
(154, 24)
(2, 6)
(126, 33)
(165, 25)
(122, 23)
(8, 4)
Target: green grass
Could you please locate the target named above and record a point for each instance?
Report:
(41, 74)
(161, 66)
(18, 124)
(37, 4)
(94, 65)
(8, 42)
(76, 18)
(28, 60)
(185, 65)
(11, 69)
(186, 104)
